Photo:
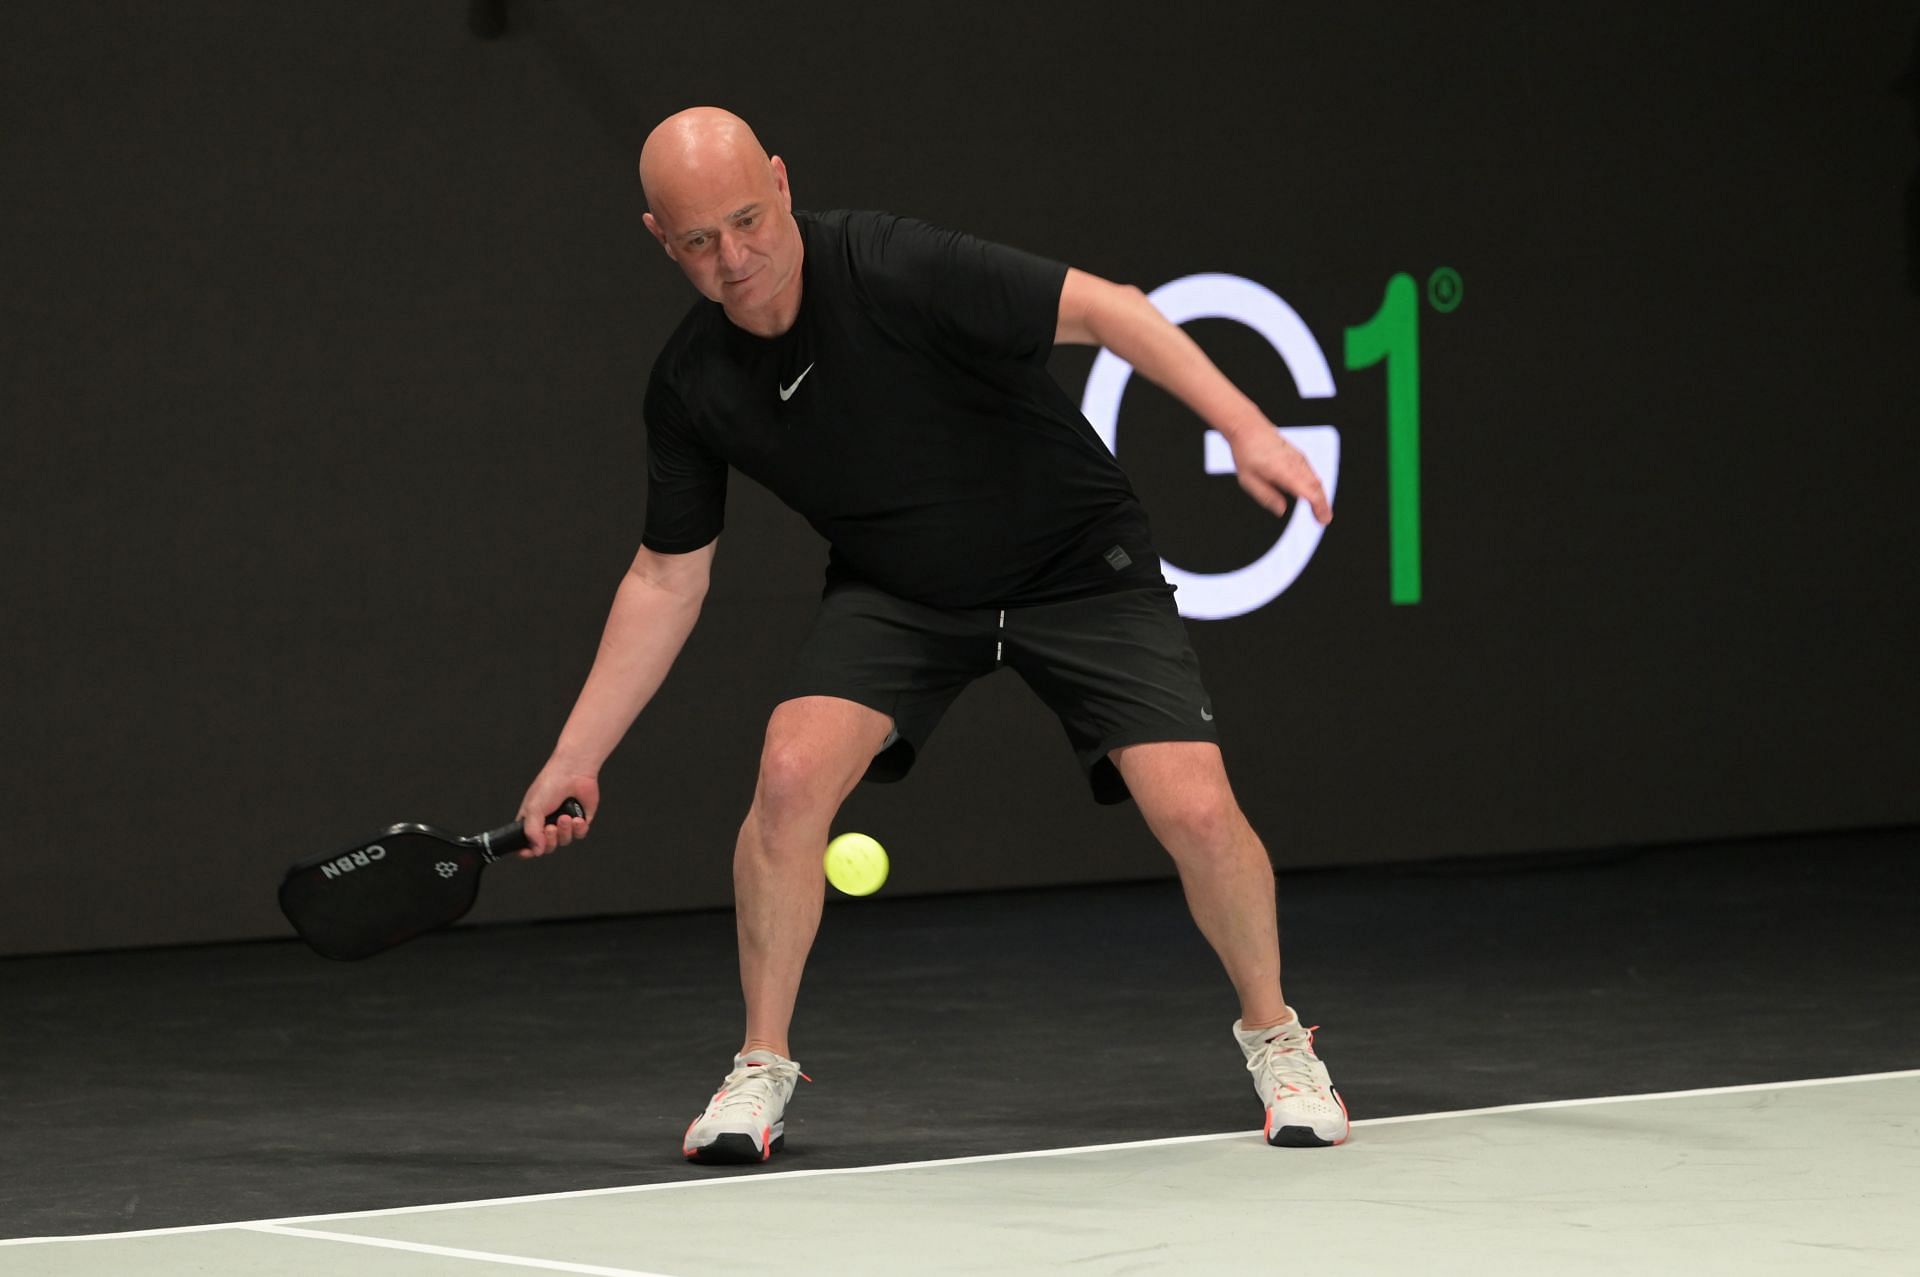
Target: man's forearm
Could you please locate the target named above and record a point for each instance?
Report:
(1125, 322)
(645, 630)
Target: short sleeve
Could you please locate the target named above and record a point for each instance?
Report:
(997, 302)
(686, 482)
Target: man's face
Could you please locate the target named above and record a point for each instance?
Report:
(732, 232)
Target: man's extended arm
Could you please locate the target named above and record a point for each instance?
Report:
(1095, 311)
(653, 613)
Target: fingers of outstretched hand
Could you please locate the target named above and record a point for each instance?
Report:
(1270, 497)
(1316, 497)
(1297, 476)
(1284, 470)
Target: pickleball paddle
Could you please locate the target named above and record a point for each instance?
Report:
(402, 882)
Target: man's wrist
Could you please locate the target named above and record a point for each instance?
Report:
(571, 758)
(1244, 425)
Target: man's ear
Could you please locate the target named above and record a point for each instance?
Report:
(659, 234)
(780, 183)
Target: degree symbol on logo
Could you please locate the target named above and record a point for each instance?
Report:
(1216, 596)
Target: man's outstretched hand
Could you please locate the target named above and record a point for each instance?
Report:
(1270, 470)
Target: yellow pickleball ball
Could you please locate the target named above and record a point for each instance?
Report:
(856, 864)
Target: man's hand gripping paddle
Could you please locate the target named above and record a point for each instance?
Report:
(400, 883)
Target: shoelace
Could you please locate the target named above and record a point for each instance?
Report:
(751, 1086)
(1290, 1060)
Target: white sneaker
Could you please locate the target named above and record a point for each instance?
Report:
(1303, 1109)
(745, 1119)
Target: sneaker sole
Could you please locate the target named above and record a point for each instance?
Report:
(734, 1150)
(1298, 1137)
(1306, 1136)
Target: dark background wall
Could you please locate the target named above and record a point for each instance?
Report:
(326, 326)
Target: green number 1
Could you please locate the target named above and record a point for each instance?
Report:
(1393, 335)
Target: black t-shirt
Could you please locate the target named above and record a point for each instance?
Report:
(908, 415)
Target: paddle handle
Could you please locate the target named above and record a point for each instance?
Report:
(508, 839)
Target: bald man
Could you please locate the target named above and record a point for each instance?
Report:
(888, 381)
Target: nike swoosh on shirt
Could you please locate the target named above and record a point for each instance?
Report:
(786, 392)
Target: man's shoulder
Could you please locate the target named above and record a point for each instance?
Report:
(703, 325)
(863, 238)
(843, 222)
(877, 247)
(675, 381)
(881, 262)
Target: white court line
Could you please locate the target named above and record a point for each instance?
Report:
(765, 1177)
(452, 1252)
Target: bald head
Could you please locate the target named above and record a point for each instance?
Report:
(721, 208)
(693, 151)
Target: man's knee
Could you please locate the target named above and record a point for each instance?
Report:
(1202, 819)
(815, 752)
(1182, 790)
(792, 775)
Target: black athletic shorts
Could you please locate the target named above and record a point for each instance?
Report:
(1116, 668)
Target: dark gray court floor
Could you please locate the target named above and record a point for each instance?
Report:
(194, 1085)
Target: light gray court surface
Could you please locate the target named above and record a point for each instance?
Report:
(1819, 1176)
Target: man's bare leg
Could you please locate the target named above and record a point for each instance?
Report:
(817, 748)
(1181, 789)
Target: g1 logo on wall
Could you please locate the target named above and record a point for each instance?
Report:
(1391, 336)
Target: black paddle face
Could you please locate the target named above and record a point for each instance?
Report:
(389, 889)
(384, 892)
